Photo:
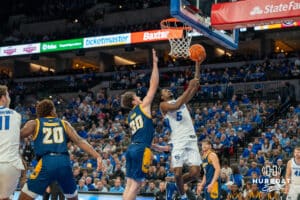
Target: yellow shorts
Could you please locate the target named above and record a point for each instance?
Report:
(147, 160)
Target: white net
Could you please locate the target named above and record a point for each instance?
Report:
(179, 37)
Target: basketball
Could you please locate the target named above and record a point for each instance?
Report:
(197, 52)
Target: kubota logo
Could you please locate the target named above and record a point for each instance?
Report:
(256, 11)
(273, 8)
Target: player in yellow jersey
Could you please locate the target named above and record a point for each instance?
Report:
(212, 169)
(50, 135)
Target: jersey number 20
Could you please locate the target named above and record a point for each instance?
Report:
(53, 135)
(136, 124)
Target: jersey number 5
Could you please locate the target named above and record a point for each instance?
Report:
(179, 116)
(53, 135)
(136, 124)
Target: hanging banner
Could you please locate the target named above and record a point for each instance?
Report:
(251, 13)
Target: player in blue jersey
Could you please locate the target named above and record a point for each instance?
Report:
(211, 166)
(50, 135)
(138, 155)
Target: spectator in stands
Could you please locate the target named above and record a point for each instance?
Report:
(260, 157)
(256, 146)
(117, 186)
(253, 168)
(83, 133)
(243, 169)
(161, 193)
(246, 152)
(275, 156)
(88, 183)
(226, 169)
(236, 177)
(266, 146)
(100, 187)
(152, 188)
(118, 172)
(81, 187)
(161, 173)
(285, 140)
(141, 90)
(282, 167)
(256, 117)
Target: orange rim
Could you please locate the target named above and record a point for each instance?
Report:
(167, 24)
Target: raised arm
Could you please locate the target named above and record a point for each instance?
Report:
(197, 70)
(28, 129)
(165, 106)
(197, 76)
(146, 104)
(83, 144)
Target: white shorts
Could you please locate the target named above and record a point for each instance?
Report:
(294, 191)
(186, 152)
(9, 179)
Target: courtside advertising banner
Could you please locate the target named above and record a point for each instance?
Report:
(254, 12)
(108, 40)
(154, 35)
(62, 45)
(275, 26)
(20, 50)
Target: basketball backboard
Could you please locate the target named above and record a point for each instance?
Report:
(196, 13)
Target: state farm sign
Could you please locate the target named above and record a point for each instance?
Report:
(20, 49)
(154, 35)
(275, 8)
(255, 12)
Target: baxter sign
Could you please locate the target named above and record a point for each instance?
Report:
(61, 45)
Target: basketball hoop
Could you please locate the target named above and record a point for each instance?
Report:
(178, 36)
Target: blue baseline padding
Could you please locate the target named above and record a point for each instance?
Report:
(175, 12)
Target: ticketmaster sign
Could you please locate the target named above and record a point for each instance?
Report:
(109, 40)
(61, 45)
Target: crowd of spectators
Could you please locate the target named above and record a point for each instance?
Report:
(215, 83)
(229, 123)
(99, 118)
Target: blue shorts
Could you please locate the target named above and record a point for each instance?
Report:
(49, 169)
(138, 161)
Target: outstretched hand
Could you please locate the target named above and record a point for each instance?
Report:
(154, 56)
